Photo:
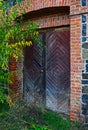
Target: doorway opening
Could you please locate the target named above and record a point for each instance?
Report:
(47, 70)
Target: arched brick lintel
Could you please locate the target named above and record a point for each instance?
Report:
(40, 4)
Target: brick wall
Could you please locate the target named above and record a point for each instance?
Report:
(77, 63)
(16, 87)
(53, 20)
(77, 8)
(76, 67)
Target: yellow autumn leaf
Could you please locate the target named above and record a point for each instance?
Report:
(36, 33)
(2, 65)
(9, 100)
(15, 56)
(0, 3)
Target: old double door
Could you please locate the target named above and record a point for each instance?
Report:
(47, 70)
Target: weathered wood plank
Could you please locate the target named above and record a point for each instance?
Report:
(58, 70)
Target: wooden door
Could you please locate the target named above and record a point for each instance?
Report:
(34, 73)
(58, 70)
(47, 70)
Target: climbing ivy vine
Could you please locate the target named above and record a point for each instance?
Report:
(13, 38)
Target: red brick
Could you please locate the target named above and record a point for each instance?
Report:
(57, 20)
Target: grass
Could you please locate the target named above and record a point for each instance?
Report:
(24, 117)
(3, 107)
(56, 122)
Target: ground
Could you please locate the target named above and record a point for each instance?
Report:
(29, 117)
